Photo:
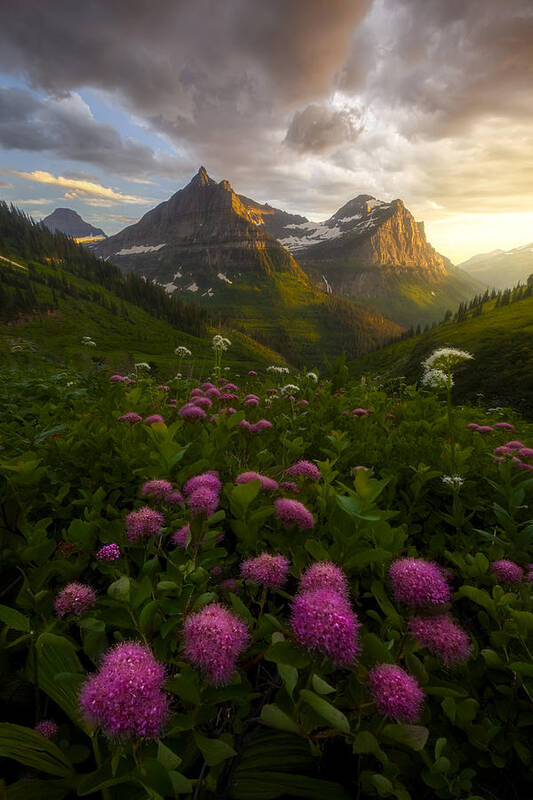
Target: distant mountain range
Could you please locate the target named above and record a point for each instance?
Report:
(206, 239)
(501, 268)
(65, 220)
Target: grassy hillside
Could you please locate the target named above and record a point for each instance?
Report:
(501, 339)
(59, 309)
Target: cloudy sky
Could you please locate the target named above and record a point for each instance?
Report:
(109, 106)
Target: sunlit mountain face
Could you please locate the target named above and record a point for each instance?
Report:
(300, 104)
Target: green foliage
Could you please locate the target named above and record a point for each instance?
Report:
(290, 723)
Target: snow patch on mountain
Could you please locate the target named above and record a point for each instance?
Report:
(139, 249)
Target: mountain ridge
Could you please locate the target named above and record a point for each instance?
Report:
(501, 268)
(69, 222)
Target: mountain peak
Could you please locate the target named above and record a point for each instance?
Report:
(202, 178)
(66, 220)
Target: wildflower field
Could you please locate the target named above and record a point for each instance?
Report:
(263, 585)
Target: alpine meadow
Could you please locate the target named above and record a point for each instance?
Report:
(266, 437)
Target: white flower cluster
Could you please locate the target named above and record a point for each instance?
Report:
(88, 342)
(290, 387)
(453, 480)
(312, 376)
(182, 351)
(142, 365)
(445, 358)
(278, 370)
(17, 348)
(220, 342)
(436, 379)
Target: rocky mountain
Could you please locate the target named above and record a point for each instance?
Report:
(501, 268)
(210, 244)
(203, 236)
(65, 220)
(375, 252)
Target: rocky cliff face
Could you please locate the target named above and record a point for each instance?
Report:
(202, 235)
(65, 220)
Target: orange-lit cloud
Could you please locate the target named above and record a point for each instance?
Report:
(79, 188)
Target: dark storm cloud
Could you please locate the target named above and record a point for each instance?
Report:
(319, 129)
(66, 128)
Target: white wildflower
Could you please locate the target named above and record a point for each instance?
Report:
(278, 370)
(453, 480)
(312, 376)
(17, 348)
(220, 343)
(290, 387)
(88, 342)
(445, 358)
(142, 365)
(437, 379)
(182, 351)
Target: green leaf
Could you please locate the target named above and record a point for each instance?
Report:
(321, 686)
(332, 715)
(289, 676)
(317, 550)
(413, 736)
(14, 619)
(167, 757)
(365, 742)
(382, 784)
(522, 667)
(287, 653)
(153, 775)
(60, 673)
(31, 749)
(120, 589)
(378, 590)
(481, 598)
(242, 495)
(180, 783)
(240, 609)
(35, 789)
(274, 717)
(103, 777)
(214, 750)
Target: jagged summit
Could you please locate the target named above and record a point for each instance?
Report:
(202, 178)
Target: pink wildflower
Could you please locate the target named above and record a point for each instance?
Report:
(156, 488)
(442, 637)
(252, 372)
(210, 479)
(196, 393)
(207, 385)
(266, 570)
(131, 417)
(472, 426)
(504, 426)
(395, 693)
(260, 426)
(47, 728)
(109, 552)
(291, 512)
(142, 523)
(289, 486)
(230, 387)
(174, 497)
(214, 640)
(515, 444)
(179, 538)
(484, 429)
(324, 575)
(162, 388)
(153, 419)
(416, 582)
(117, 379)
(75, 599)
(507, 571)
(125, 697)
(251, 402)
(213, 393)
(525, 452)
(266, 483)
(323, 620)
(191, 413)
(203, 500)
(305, 468)
(202, 402)
(229, 585)
(360, 412)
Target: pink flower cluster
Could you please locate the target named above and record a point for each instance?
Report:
(292, 512)
(202, 493)
(214, 639)
(305, 469)
(75, 599)
(416, 582)
(192, 413)
(125, 697)
(109, 552)
(179, 538)
(518, 452)
(325, 575)
(322, 620)
(130, 417)
(266, 570)
(153, 419)
(47, 728)
(156, 488)
(255, 427)
(395, 693)
(117, 379)
(507, 571)
(268, 484)
(251, 401)
(142, 523)
(442, 637)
